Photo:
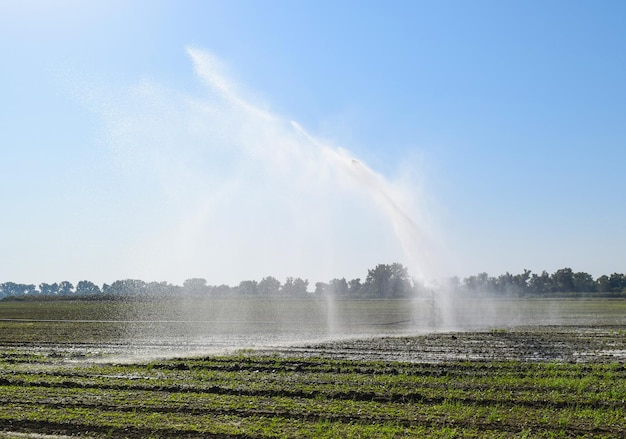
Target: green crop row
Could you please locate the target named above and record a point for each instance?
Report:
(502, 387)
(269, 396)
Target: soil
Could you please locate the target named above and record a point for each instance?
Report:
(544, 343)
(577, 344)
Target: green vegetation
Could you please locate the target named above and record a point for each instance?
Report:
(562, 282)
(268, 396)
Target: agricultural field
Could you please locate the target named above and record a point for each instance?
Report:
(77, 369)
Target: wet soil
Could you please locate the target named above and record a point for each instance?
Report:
(598, 344)
(573, 344)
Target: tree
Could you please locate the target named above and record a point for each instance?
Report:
(540, 284)
(269, 286)
(321, 288)
(162, 289)
(248, 288)
(420, 289)
(49, 289)
(504, 284)
(222, 290)
(85, 288)
(511, 284)
(563, 280)
(583, 283)
(388, 281)
(295, 287)
(617, 283)
(128, 287)
(195, 286)
(603, 284)
(521, 281)
(481, 283)
(355, 287)
(65, 288)
(338, 287)
(378, 281)
(8, 289)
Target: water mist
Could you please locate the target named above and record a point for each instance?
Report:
(223, 189)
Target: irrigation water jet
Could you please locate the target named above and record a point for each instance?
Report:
(231, 191)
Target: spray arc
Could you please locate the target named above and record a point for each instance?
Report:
(246, 188)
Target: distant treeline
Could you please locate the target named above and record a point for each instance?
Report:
(384, 281)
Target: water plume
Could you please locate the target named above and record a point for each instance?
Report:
(218, 187)
(224, 189)
(381, 191)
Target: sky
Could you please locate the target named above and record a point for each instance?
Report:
(233, 140)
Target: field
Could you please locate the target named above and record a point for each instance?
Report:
(92, 370)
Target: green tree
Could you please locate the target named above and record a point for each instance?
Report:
(512, 284)
(504, 284)
(540, 284)
(248, 288)
(521, 281)
(583, 282)
(321, 288)
(338, 287)
(196, 286)
(128, 287)
(49, 289)
(269, 286)
(602, 284)
(563, 280)
(355, 287)
(388, 281)
(85, 288)
(65, 288)
(294, 287)
(481, 283)
(9, 289)
(222, 290)
(617, 283)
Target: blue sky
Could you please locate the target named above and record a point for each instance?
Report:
(497, 127)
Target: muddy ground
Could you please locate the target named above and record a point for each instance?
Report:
(604, 344)
(545, 343)
(492, 330)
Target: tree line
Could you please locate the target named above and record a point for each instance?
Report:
(562, 281)
(385, 281)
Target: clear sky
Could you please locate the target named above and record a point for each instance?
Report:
(232, 140)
